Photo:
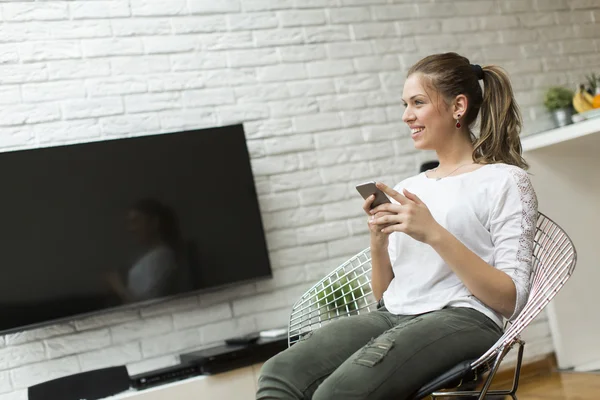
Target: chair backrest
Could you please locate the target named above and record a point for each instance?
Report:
(347, 290)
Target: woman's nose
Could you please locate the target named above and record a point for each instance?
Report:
(408, 116)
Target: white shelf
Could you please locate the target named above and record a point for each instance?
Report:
(560, 135)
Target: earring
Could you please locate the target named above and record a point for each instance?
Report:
(458, 122)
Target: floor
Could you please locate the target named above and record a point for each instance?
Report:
(563, 386)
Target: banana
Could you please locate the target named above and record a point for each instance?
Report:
(582, 101)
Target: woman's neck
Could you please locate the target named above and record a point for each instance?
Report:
(456, 152)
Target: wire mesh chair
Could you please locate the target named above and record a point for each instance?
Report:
(347, 291)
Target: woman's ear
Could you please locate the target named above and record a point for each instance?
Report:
(460, 106)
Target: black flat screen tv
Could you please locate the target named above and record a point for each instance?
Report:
(118, 223)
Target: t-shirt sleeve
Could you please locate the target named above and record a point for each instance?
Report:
(512, 226)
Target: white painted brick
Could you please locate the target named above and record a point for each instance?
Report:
(331, 33)
(345, 209)
(382, 97)
(23, 73)
(316, 3)
(170, 306)
(41, 51)
(583, 4)
(175, 81)
(203, 24)
(576, 17)
(252, 21)
(317, 271)
(278, 37)
(498, 22)
(240, 113)
(247, 58)
(374, 30)
(320, 69)
(465, 24)
(151, 102)
(261, 93)
(342, 137)
(348, 246)
(116, 86)
(2, 342)
(375, 63)
(281, 239)
(152, 364)
(310, 88)
(169, 44)
(27, 11)
(75, 30)
(436, 42)
(207, 97)
(396, 45)
(9, 53)
(16, 395)
(384, 132)
(397, 12)
(577, 46)
(223, 330)
(158, 7)
(278, 318)
(322, 195)
(188, 119)
(139, 64)
(139, 27)
(86, 108)
(277, 201)
(551, 5)
(217, 297)
(362, 2)
(28, 114)
(33, 93)
(351, 101)
(33, 374)
(301, 18)
(173, 342)
(292, 219)
(130, 125)
(392, 80)
(349, 14)
(295, 180)
(515, 6)
(357, 83)
(67, 132)
(529, 20)
(282, 278)
(294, 107)
(267, 5)
(317, 123)
(213, 7)
(282, 72)
(226, 41)
(256, 148)
(230, 77)
(134, 330)
(268, 128)
(479, 7)
(202, 316)
(417, 26)
(442, 10)
(5, 384)
(404, 146)
(299, 255)
(99, 9)
(587, 31)
(105, 319)
(77, 343)
(340, 173)
(321, 232)
(73, 69)
(110, 357)
(14, 356)
(268, 301)
(198, 61)
(274, 165)
(111, 47)
(349, 50)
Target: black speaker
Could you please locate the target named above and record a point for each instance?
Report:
(91, 385)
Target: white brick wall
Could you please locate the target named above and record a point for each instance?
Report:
(317, 85)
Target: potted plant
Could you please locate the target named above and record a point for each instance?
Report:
(558, 101)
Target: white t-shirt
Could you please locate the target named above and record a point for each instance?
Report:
(152, 275)
(493, 212)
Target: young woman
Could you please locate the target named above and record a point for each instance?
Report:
(451, 256)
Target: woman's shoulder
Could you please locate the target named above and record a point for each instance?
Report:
(507, 173)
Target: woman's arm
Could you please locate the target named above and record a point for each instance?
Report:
(490, 285)
(381, 267)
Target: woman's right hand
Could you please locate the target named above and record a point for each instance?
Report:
(376, 234)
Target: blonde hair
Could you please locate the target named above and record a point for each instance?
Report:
(500, 121)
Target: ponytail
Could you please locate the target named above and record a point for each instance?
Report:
(500, 122)
(451, 75)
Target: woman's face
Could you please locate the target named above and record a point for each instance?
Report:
(427, 114)
(142, 226)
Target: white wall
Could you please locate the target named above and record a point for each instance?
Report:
(317, 85)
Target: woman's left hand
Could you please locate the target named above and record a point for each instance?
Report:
(411, 216)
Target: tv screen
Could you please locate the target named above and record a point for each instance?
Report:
(94, 226)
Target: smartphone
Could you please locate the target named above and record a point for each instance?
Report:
(368, 188)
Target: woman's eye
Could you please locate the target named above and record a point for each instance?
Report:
(418, 102)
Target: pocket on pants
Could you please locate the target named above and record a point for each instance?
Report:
(374, 351)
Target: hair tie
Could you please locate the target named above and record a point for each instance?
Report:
(477, 70)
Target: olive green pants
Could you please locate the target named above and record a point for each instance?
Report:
(377, 355)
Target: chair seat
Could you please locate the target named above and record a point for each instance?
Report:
(461, 373)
